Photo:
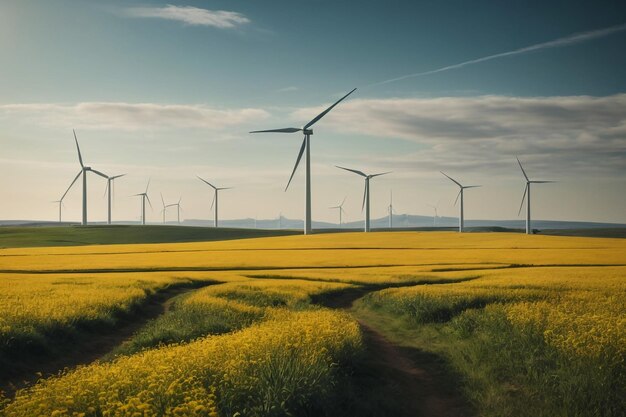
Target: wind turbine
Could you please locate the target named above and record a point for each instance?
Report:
(390, 209)
(177, 208)
(436, 215)
(340, 208)
(215, 197)
(144, 197)
(366, 192)
(306, 146)
(526, 196)
(164, 210)
(60, 209)
(109, 188)
(460, 194)
(83, 171)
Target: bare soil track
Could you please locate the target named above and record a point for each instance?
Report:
(92, 345)
(416, 379)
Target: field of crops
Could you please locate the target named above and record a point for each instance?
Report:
(528, 325)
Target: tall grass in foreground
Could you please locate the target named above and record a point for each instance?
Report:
(548, 350)
(286, 365)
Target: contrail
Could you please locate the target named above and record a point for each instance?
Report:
(567, 40)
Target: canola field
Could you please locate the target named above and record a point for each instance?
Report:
(532, 325)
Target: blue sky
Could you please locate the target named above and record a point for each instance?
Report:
(168, 90)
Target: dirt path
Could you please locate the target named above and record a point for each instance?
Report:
(93, 344)
(414, 377)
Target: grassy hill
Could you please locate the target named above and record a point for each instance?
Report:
(14, 237)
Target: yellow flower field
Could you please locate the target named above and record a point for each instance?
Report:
(562, 298)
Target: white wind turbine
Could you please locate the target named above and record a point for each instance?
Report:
(366, 192)
(164, 210)
(460, 194)
(177, 209)
(144, 197)
(527, 197)
(60, 209)
(215, 197)
(435, 208)
(110, 190)
(390, 209)
(340, 209)
(306, 145)
(83, 171)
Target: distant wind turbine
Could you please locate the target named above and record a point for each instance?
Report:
(83, 170)
(390, 209)
(460, 194)
(110, 190)
(164, 209)
(436, 214)
(144, 197)
(526, 196)
(215, 197)
(177, 209)
(366, 192)
(60, 209)
(306, 145)
(340, 209)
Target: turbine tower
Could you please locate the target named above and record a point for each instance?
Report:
(526, 196)
(144, 197)
(366, 192)
(215, 197)
(460, 194)
(109, 188)
(306, 146)
(341, 210)
(83, 170)
(177, 209)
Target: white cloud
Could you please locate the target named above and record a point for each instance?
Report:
(289, 89)
(559, 133)
(190, 15)
(131, 116)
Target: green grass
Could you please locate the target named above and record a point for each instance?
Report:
(506, 370)
(20, 237)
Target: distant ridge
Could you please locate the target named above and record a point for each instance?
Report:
(400, 221)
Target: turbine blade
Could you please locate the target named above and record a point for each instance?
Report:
(213, 202)
(80, 157)
(523, 198)
(283, 130)
(457, 198)
(206, 182)
(297, 162)
(162, 200)
(117, 176)
(68, 188)
(149, 202)
(541, 182)
(364, 194)
(352, 170)
(322, 114)
(226, 188)
(382, 173)
(472, 186)
(344, 200)
(452, 179)
(106, 188)
(100, 173)
(147, 185)
(523, 172)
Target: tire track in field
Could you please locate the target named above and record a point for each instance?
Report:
(417, 379)
(94, 344)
